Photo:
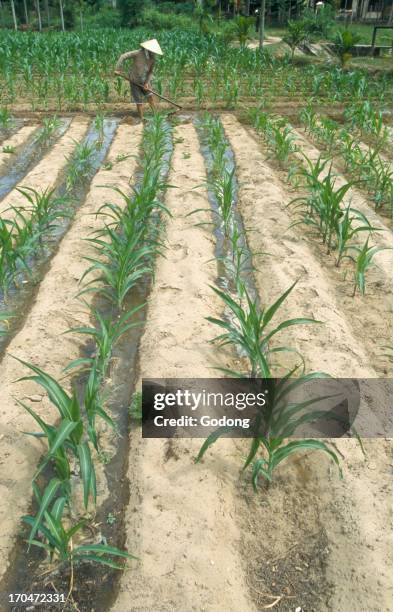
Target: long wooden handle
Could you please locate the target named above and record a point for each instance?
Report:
(153, 92)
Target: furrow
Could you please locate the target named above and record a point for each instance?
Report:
(55, 310)
(357, 540)
(183, 527)
(48, 171)
(14, 143)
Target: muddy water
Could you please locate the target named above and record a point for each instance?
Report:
(14, 144)
(224, 251)
(30, 154)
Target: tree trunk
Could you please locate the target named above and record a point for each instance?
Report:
(37, 3)
(61, 15)
(390, 21)
(81, 18)
(47, 13)
(262, 23)
(26, 12)
(248, 8)
(14, 15)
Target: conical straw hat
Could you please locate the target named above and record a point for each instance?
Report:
(153, 46)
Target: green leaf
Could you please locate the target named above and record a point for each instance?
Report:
(211, 439)
(86, 466)
(47, 497)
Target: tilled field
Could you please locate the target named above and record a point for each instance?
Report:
(204, 539)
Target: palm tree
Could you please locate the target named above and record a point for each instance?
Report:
(295, 35)
(344, 42)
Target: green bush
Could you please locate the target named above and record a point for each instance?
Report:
(69, 17)
(104, 18)
(156, 20)
(244, 28)
(176, 7)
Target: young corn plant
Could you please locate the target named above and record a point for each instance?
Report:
(105, 334)
(21, 237)
(363, 261)
(16, 245)
(79, 164)
(126, 247)
(57, 539)
(349, 225)
(275, 423)
(5, 118)
(250, 331)
(223, 187)
(322, 208)
(308, 116)
(65, 441)
(50, 125)
(282, 142)
(45, 208)
(9, 150)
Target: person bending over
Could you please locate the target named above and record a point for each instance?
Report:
(140, 73)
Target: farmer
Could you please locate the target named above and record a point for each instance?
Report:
(140, 73)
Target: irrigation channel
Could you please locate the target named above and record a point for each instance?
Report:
(200, 533)
(8, 132)
(29, 155)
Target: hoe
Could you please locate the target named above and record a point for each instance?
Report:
(153, 92)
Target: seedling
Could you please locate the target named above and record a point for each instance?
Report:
(9, 150)
(57, 539)
(276, 422)
(363, 262)
(249, 329)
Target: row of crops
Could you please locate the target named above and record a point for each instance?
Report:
(74, 70)
(122, 254)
